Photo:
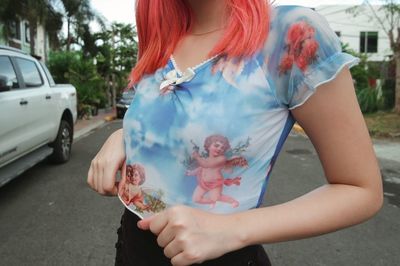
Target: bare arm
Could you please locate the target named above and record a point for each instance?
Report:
(335, 125)
(209, 162)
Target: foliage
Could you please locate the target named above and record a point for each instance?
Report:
(368, 100)
(359, 72)
(72, 67)
(116, 54)
(59, 64)
(78, 14)
(117, 50)
(89, 85)
(387, 17)
(388, 93)
(35, 12)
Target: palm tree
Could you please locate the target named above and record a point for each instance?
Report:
(79, 13)
(117, 54)
(53, 25)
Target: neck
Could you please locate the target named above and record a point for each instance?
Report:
(208, 15)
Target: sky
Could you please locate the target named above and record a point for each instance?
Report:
(124, 10)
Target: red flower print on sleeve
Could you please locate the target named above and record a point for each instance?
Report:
(301, 47)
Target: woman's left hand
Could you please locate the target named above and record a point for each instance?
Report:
(190, 235)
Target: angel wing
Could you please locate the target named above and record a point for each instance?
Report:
(237, 162)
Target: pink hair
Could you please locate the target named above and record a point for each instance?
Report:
(161, 24)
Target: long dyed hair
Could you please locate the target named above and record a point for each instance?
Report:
(161, 24)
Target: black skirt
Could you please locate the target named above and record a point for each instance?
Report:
(136, 247)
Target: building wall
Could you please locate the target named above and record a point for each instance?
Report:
(351, 26)
(41, 41)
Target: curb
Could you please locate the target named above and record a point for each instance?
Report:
(383, 149)
(298, 129)
(92, 126)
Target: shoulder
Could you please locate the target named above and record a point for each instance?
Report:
(296, 20)
(301, 52)
(294, 27)
(288, 14)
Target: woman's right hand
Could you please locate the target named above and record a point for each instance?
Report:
(105, 165)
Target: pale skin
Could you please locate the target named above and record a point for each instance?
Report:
(334, 123)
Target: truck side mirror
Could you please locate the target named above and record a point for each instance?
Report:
(5, 83)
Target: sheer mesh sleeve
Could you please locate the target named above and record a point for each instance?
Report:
(304, 53)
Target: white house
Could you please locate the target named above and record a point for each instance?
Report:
(362, 32)
(20, 38)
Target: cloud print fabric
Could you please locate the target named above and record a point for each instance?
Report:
(210, 140)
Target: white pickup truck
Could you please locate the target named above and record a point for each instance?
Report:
(37, 116)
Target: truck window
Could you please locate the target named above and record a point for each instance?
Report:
(48, 75)
(30, 73)
(7, 73)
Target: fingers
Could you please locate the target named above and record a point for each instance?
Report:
(155, 223)
(90, 177)
(108, 177)
(102, 177)
(159, 222)
(121, 184)
(172, 249)
(99, 178)
(165, 237)
(184, 259)
(104, 167)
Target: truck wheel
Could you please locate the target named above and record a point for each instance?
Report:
(62, 144)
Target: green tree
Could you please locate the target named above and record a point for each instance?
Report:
(8, 15)
(387, 16)
(35, 12)
(78, 14)
(366, 95)
(117, 48)
(74, 68)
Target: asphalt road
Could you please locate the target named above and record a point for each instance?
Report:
(49, 216)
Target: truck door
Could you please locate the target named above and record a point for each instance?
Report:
(12, 112)
(38, 103)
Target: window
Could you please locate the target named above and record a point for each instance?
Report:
(30, 73)
(338, 33)
(27, 33)
(368, 42)
(7, 73)
(15, 30)
(48, 75)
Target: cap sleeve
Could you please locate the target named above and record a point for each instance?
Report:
(304, 53)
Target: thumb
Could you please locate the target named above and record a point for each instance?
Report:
(144, 224)
(123, 178)
(123, 170)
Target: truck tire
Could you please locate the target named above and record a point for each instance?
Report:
(62, 144)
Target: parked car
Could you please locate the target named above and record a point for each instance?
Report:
(124, 103)
(37, 116)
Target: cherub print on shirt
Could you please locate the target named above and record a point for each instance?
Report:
(136, 198)
(209, 168)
